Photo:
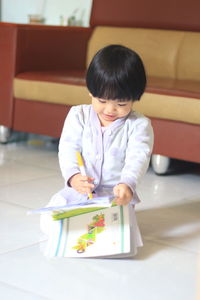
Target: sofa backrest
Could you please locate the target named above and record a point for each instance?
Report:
(157, 14)
(165, 33)
(188, 60)
(166, 53)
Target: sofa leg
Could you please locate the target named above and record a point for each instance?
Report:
(5, 134)
(160, 163)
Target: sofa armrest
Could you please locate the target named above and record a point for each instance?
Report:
(7, 71)
(26, 47)
(41, 47)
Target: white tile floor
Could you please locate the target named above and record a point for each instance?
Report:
(167, 267)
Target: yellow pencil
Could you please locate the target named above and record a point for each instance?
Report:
(82, 168)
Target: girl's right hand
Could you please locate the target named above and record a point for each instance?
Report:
(82, 184)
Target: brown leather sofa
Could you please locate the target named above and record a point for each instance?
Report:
(43, 67)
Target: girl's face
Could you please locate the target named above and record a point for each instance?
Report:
(110, 110)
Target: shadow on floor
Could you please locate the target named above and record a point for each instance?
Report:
(176, 226)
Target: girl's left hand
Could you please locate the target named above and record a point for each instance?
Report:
(123, 194)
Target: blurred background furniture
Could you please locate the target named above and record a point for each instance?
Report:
(43, 69)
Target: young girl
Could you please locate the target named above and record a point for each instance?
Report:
(114, 141)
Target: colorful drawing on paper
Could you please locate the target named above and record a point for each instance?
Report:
(94, 228)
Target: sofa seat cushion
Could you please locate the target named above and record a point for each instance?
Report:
(177, 100)
(61, 76)
(60, 87)
(174, 87)
(176, 108)
(164, 98)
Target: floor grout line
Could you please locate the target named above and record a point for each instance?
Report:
(170, 245)
(23, 290)
(35, 165)
(16, 204)
(24, 247)
(29, 180)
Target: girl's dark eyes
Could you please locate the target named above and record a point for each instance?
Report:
(101, 101)
(120, 104)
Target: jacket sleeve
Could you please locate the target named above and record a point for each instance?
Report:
(138, 152)
(70, 142)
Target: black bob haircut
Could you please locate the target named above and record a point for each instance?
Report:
(116, 73)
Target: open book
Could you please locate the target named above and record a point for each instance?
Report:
(97, 228)
(68, 210)
(105, 232)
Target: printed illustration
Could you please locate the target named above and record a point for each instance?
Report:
(97, 226)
